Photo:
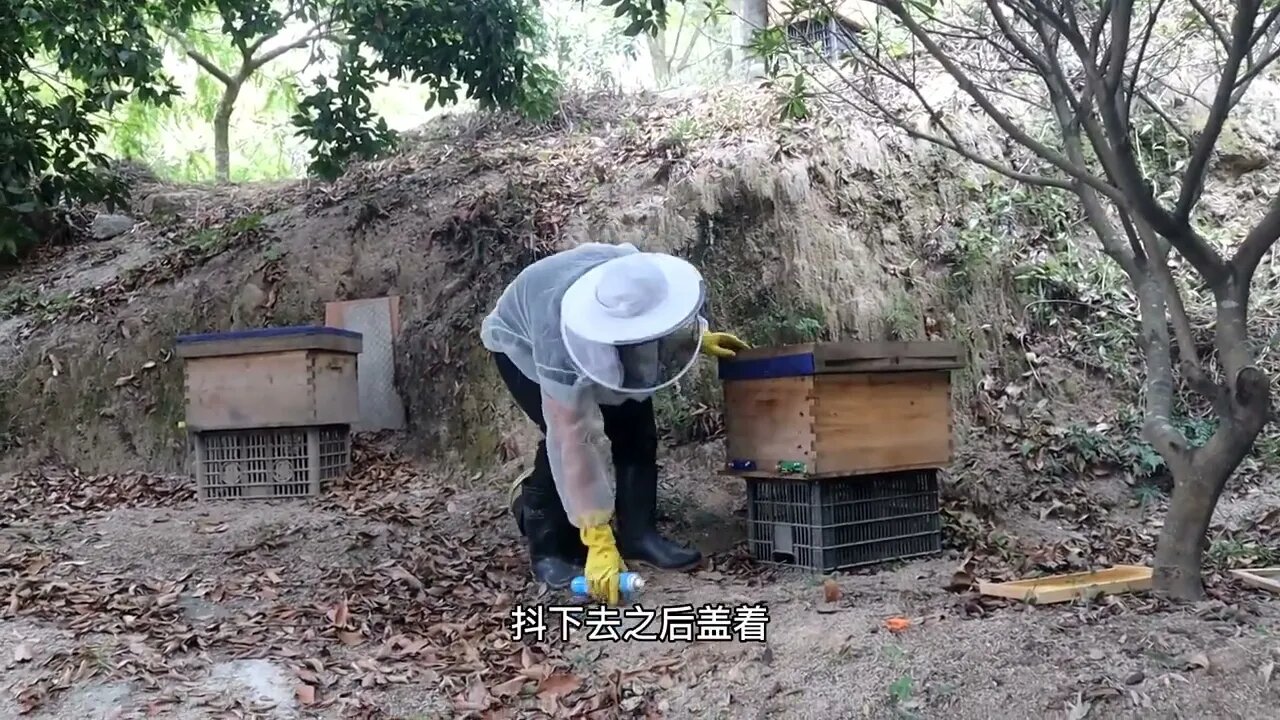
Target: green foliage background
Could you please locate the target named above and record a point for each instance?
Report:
(80, 83)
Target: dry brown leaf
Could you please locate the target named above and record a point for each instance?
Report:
(559, 684)
(1198, 660)
(961, 581)
(549, 705)
(536, 672)
(306, 693)
(350, 638)
(339, 614)
(22, 653)
(509, 688)
(831, 591)
(1079, 711)
(477, 698)
(398, 573)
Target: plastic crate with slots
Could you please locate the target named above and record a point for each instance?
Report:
(843, 523)
(270, 463)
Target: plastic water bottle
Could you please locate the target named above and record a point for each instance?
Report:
(628, 583)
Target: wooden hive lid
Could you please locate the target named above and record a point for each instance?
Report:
(840, 357)
(267, 340)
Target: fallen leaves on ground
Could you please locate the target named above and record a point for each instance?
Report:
(432, 613)
(56, 491)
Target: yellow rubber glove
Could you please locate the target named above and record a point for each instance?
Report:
(721, 345)
(604, 564)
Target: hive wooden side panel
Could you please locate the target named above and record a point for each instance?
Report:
(242, 391)
(335, 388)
(770, 421)
(280, 389)
(880, 422)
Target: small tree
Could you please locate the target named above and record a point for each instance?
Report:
(484, 45)
(1088, 69)
(65, 66)
(253, 28)
(671, 49)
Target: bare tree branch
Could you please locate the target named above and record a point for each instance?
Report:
(949, 142)
(1209, 20)
(1017, 133)
(209, 66)
(1121, 25)
(1154, 341)
(1259, 240)
(1189, 356)
(1168, 119)
(1268, 26)
(1193, 178)
(318, 34)
(1136, 70)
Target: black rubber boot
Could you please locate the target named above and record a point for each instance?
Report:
(636, 511)
(570, 541)
(541, 519)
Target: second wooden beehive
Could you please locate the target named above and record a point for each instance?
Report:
(839, 409)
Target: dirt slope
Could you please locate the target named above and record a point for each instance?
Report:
(808, 230)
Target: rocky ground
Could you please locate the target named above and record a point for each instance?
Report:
(392, 597)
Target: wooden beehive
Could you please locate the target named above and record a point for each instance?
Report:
(271, 377)
(838, 409)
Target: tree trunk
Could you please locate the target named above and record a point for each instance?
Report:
(658, 57)
(753, 15)
(1182, 540)
(1199, 477)
(222, 132)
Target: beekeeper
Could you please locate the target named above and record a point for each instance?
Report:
(583, 339)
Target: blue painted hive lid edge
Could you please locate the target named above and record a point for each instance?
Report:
(292, 331)
(778, 366)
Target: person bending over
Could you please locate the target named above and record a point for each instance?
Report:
(582, 340)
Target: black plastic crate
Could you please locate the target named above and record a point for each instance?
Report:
(837, 524)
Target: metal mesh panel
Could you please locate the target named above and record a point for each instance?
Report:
(836, 524)
(269, 463)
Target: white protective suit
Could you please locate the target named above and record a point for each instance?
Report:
(525, 325)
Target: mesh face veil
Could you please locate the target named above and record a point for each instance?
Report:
(641, 367)
(631, 325)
